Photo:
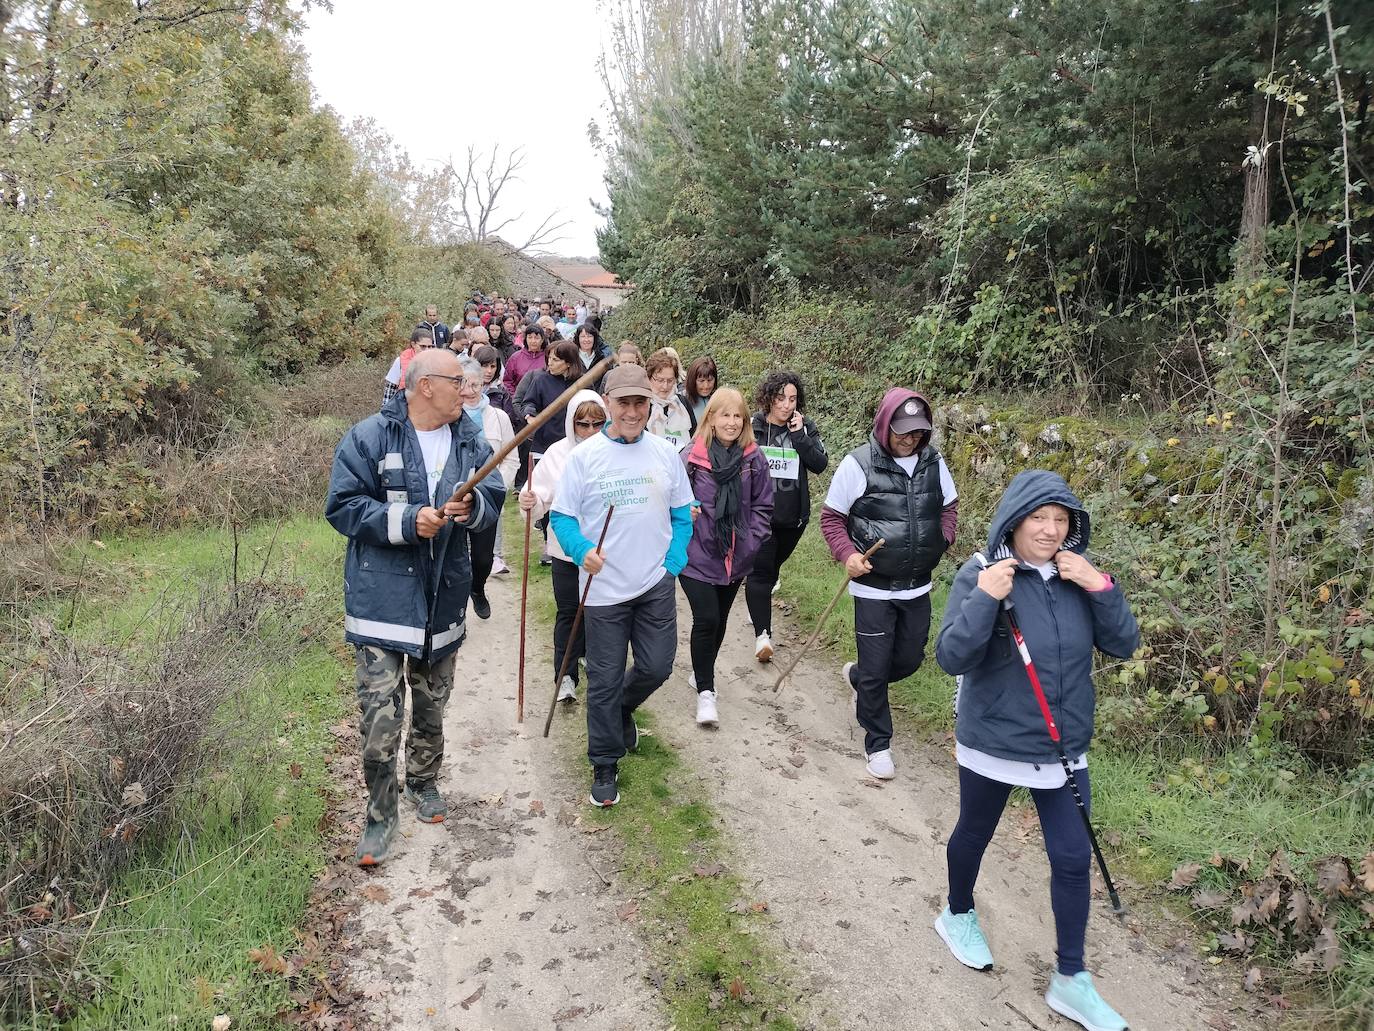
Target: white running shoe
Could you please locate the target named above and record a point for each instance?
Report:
(763, 647)
(880, 765)
(706, 709)
(567, 690)
(499, 567)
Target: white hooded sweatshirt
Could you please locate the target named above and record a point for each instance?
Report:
(544, 483)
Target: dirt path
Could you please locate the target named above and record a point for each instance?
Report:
(854, 869)
(500, 918)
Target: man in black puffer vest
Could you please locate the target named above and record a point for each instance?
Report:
(896, 488)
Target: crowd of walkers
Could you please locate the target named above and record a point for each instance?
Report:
(663, 477)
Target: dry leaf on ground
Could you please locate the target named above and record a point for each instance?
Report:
(1184, 876)
(375, 893)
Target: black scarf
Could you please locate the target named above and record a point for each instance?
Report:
(726, 462)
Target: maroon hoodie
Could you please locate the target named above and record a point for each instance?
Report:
(835, 525)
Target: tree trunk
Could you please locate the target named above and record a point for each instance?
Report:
(1259, 192)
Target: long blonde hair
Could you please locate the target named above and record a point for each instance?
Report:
(706, 429)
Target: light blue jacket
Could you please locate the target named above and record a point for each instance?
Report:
(402, 592)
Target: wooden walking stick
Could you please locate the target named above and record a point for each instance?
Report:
(777, 686)
(577, 622)
(524, 593)
(559, 403)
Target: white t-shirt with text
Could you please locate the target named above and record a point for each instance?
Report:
(644, 480)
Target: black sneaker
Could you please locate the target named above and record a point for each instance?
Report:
(605, 791)
(630, 729)
(481, 606)
(430, 806)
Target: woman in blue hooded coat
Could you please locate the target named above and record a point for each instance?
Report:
(1066, 609)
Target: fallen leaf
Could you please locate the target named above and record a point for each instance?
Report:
(1328, 949)
(295, 770)
(1245, 912)
(1269, 905)
(267, 960)
(420, 893)
(1300, 916)
(1209, 898)
(493, 801)
(375, 893)
(1253, 978)
(1184, 875)
(473, 997)
(1333, 876)
(1233, 942)
(628, 911)
(708, 869)
(1367, 872)
(1278, 866)
(758, 907)
(536, 807)
(797, 760)
(134, 796)
(375, 989)
(1368, 909)
(737, 990)
(221, 1023)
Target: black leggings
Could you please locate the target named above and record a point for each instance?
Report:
(565, 596)
(482, 550)
(758, 589)
(710, 615)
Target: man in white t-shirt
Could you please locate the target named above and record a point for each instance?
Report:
(895, 488)
(632, 603)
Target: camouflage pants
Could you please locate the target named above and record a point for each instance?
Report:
(381, 682)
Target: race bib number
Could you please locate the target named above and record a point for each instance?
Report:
(783, 462)
(678, 438)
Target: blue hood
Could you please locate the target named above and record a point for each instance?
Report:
(1028, 491)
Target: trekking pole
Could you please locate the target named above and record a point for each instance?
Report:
(777, 685)
(524, 593)
(577, 622)
(1009, 615)
(556, 406)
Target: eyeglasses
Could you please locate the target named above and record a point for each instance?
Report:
(459, 380)
(909, 434)
(585, 424)
(663, 381)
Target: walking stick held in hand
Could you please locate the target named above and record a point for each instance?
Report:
(815, 634)
(1009, 614)
(524, 593)
(577, 622)
(591, 376)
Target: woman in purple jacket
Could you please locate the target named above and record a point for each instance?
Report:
(732, 518)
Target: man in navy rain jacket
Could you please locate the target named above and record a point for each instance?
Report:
(407, 577)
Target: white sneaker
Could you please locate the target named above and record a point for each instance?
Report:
(763, 647)
(567, 690)
(706, 709)
(880, 765)
(499, 567)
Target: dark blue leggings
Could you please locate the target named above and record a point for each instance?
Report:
(981, 802)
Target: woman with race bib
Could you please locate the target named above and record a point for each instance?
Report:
(793, 447)
(669, 415)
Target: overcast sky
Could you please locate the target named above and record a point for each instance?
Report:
(438, 75)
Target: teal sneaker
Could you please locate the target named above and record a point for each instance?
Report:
(964, 938)
(1076, 998)
(430, 806)
(375, 843)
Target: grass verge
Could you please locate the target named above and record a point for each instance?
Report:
(716, 965)
(1159, 809)
(204, 918)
